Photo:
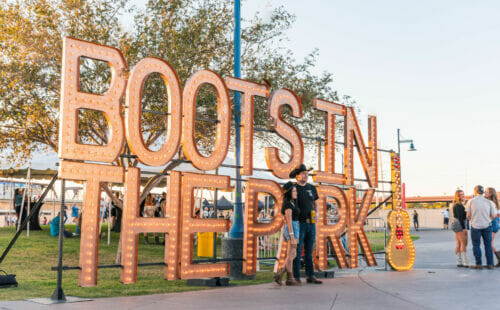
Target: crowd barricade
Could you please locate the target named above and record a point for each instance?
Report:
(268, 245)
(378, 224)
(267, 248)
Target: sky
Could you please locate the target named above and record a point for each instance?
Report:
(430, 68)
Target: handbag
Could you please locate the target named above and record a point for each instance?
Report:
(7, 280)
(455, 225)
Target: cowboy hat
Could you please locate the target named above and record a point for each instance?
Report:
(298, 170)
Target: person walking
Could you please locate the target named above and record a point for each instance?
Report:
(480, 212)
(306, 201)
(491, 194)
(459, 217)
(18, 200)
(446, 218)
(415, 220)
(291, 233)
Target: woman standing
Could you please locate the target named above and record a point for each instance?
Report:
(491, 194)
(149, 211)
(291, 231)
(461, 236)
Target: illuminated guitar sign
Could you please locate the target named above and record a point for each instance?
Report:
(400, 250)
(92, 164)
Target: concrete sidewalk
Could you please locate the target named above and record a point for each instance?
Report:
(434, 283)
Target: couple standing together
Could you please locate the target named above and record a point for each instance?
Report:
(483, 213)
(299, 205)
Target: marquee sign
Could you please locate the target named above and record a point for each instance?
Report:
(179, 223)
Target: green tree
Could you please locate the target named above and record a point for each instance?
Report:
(31, 33)
(190, 35)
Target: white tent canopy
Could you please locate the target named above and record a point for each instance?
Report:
(49, 161)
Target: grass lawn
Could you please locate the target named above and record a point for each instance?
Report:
(32, 257)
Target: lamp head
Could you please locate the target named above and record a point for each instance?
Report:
(412, 147)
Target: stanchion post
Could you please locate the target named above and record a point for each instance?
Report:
(58, 292)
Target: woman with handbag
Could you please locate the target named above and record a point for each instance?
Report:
(291, 231)
(491, 194)
(458, 226)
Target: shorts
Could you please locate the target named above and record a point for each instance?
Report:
(296, 230)
(446, 220)
(494, 225)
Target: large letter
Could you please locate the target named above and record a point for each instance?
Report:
(190, 225)
(329, 175)
(356, 231)
(94, 175)
(133, 224)
(368, 159)
(72, 100)
(249, 90)
(325, 232)
(191, 89)
(279, 99)
(134, 112)
(253, 229)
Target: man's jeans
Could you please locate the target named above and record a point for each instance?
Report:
(306, 240)
(475, 235)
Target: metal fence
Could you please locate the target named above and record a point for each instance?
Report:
(375, 226)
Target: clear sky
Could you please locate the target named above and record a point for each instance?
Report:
(430, 68)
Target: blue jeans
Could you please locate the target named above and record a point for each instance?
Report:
(306, 240)
(475, 235)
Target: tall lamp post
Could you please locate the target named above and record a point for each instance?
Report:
(232, 247)
(237, 227)
(411, 149)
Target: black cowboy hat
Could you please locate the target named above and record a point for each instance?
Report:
(298, 170)
(288, 186)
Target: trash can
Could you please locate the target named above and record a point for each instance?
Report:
(205, 244)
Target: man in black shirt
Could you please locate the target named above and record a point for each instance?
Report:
(306, 199)
(415, 219)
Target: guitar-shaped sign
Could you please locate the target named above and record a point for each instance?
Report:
(400, 251)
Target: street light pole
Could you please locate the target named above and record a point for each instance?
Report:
(412, 148)
(236, 230)
(232, 247)
(399, 149)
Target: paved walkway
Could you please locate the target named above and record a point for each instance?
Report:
(434, 283)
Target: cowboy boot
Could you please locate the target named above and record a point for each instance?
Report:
(465, 260)
(459, 259)
(290, 280)
(278, 275)
(497, 254)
